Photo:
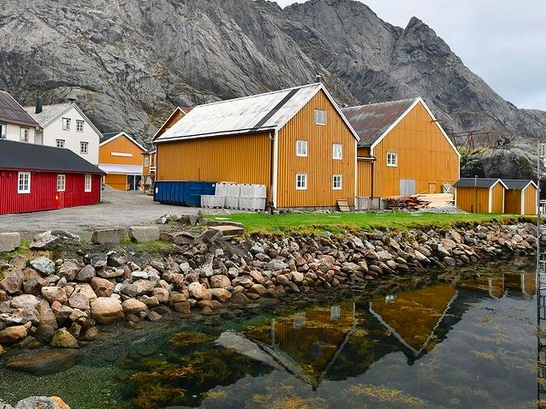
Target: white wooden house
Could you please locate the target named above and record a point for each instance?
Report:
(66, 126)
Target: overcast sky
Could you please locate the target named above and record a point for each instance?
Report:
(502, 41)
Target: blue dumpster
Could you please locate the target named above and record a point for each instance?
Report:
(183, 192)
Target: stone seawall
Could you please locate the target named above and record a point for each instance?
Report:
(63, 301)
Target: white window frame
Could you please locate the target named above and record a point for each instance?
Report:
(88, 183)
(23, 182)
(66, 123)
(320, 116)
(337, 151)
(146, 161)
(61, 182)
(3, 131)
(24, 134)
(84, 148)
(60, 143)
(301, 148)
(301, 181)
(79, 125)
(392, 159)
(337, 182)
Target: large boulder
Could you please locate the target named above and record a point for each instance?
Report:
(107, 310)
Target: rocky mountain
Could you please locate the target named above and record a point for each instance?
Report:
(129, 62)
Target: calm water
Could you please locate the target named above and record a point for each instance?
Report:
(470, 343)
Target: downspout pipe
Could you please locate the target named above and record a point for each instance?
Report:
(274, 136)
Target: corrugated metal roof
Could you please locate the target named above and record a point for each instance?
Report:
(13, 113)
(371, 121)
(257, 113)
(477, 182)
(28, 156)
(518, 184)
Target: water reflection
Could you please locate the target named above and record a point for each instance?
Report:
(340, 342)
(465, 342)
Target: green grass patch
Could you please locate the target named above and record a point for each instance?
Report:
(343, 222)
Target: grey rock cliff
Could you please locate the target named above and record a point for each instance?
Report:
(130, 62)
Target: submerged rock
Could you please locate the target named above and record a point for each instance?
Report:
(46, 362)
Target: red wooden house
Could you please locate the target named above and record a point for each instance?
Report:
(36, 177)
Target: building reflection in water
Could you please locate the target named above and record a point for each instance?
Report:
(343, 340)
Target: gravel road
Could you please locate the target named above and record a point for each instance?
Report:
(117, 209)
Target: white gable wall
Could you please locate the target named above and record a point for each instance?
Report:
(13, 133)
(72, 137)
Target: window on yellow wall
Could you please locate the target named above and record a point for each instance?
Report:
(301, 148)
(337, 182)
(337, 151)
(320, 117)
(301, 181)
(392, 159)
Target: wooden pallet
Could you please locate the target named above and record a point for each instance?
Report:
(343, 205)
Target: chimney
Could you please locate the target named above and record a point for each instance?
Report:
(72, 98)
(318, 79)
(38, 105)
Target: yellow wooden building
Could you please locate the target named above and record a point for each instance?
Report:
(120, 156)
(521, 197)
(294, 141)
(480, 195)
(149, 157)
(403, 150)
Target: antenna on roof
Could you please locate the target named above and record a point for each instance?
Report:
(318, 79)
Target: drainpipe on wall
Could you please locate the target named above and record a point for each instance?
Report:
(273, 177)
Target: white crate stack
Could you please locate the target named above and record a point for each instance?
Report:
(216, 201)
(232, 195)
(252, 197)
(238, 196)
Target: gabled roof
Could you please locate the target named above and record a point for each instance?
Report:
(111, 136)
(372, 121)
(479, 182)
(178, 112)
(52, 112)
(13, 113)
(518, 184)
(24, 156)
(253, 114)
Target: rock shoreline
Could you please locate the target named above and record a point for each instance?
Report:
(63, 302)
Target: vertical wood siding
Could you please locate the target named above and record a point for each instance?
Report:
(43, 192)
(424, 155)
(473, 200)
(497, 199)
(512, 202)
(124, 145)
(238, 159)
(530, 200)
(364, 178)
(319, 164)
(118, 182)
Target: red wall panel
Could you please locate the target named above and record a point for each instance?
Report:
(43, 192)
